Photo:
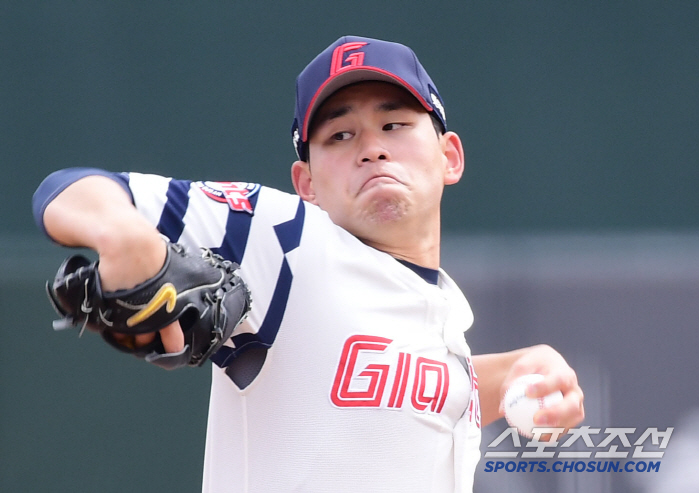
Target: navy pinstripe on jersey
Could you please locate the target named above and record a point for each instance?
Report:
(171, 220)
(289, 236)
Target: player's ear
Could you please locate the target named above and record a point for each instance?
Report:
(454, 159)
(302, 180)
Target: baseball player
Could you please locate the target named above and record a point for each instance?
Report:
(351, 372)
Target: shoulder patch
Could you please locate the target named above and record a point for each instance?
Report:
(236, 193)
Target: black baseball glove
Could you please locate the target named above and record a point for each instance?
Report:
(202, 292)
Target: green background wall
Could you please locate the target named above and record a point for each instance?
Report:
(574, 114)
(577, 117)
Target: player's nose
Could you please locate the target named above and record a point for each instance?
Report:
(372, 148)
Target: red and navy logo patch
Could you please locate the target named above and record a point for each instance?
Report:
(236, 193)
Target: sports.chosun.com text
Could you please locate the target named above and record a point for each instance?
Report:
(572, 466)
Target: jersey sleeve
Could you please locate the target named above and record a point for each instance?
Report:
(222, 216)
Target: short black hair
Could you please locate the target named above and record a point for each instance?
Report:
(437, 124)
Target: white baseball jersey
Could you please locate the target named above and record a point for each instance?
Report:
(362, 379)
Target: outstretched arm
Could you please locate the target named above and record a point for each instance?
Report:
(95, 212)
(497, 371)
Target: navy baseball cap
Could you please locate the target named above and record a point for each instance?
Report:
(353, 59)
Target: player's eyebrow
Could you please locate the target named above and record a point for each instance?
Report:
(384, 107)
(333, 114)
(392, 105)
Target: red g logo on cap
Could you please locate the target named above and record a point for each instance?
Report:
(339, 61)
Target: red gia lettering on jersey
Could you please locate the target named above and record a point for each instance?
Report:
(341, 395)
(361, 382)
(400, 382)
(236, 194)
(339, 62)
(421, 398)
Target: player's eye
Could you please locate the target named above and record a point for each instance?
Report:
(393, 126)
(341, 136)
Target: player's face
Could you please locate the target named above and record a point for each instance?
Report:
(377, 162)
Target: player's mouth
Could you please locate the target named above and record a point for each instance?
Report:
(380, 179)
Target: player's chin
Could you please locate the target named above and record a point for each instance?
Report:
(386, 209)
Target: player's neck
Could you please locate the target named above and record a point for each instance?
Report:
(428, 259)
(420, 248)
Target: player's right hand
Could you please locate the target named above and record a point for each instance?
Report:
(122, 268)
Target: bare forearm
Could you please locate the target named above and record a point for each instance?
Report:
(95, 212)
(88, 213)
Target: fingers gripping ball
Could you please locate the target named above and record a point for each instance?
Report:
(520, 409)
(203, 292)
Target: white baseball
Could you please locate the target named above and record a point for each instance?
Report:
(520, 409)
